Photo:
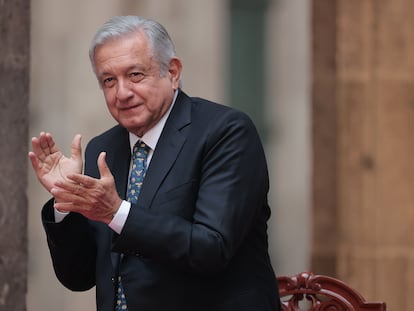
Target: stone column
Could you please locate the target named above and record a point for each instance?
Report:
(324, 136)
(373, 86)
(14, 90)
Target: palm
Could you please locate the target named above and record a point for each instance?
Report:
(56, 167)
(48, 162)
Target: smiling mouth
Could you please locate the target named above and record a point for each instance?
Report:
(130, 107)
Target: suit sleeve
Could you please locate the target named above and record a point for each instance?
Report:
(72, 249)
(229, 198)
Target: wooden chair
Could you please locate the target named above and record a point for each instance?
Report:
(306, 291)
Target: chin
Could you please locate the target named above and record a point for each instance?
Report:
(135, 130)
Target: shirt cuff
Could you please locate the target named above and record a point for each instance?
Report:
(118, 222)
(59, 216)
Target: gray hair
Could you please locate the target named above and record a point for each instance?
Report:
(161, 45)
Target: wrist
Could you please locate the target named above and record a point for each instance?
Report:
(120, 217)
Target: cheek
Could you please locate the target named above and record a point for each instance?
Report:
(109, 98)
(110, 101)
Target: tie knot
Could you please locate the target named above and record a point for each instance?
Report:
(140, 150)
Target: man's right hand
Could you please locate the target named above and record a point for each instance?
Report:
(48, 162)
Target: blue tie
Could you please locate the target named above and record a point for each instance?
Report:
(139, 167)
(138, 170)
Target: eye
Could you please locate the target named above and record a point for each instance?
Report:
(136, 76)
(108, 82)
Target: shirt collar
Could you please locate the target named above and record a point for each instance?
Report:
(150, 138)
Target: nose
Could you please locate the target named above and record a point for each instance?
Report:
(124, 91)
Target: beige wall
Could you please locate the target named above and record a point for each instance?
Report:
(288, 150)
(65, 100)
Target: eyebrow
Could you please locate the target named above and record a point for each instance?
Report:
(132, 67)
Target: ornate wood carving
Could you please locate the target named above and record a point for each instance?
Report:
(306, 291)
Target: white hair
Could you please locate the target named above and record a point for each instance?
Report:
(161, 45)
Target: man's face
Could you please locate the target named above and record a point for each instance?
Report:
(135, 93)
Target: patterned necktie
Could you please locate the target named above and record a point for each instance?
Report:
(136, 177)
(139, 167)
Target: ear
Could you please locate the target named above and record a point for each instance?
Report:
(174, 71)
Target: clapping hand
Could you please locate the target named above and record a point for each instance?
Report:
(49, 163)
(96, 199)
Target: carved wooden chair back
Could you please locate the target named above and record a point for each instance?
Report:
(306, 291)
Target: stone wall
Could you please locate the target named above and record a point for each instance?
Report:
(368, 89)
(14, 100)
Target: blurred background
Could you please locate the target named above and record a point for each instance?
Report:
(329, 84)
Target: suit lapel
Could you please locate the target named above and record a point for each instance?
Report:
(168, 147)
(121, 158)
(118, 159)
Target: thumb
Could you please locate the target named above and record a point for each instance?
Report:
(104, 170)
(75, 148)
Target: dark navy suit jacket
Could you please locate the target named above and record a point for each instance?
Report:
(196, 239)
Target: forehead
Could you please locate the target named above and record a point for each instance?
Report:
(133, 47)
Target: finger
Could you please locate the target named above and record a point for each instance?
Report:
(46, 142)
(42, 140)
(51, 143)
(69, 193)
(76, 149)
(79, 179)
(103, 166)
(61, 187)
(65, 207)
(61, 195)
(34, 160)
(36, 148)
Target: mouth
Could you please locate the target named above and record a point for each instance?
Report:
(129, 107)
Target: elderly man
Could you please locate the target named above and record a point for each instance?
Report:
(170, 212)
